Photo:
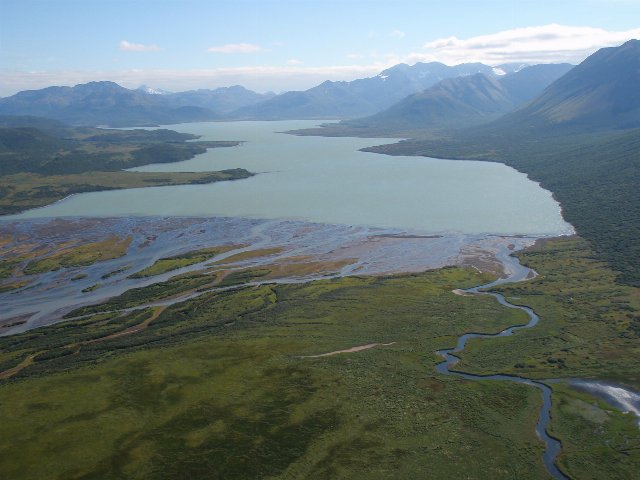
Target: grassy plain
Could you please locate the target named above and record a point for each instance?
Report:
(81, 255)
(216, 387)
(23, 191)
(589, 328)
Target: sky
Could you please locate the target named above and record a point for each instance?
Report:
(279, 45)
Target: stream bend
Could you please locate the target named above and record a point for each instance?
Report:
(516, 273)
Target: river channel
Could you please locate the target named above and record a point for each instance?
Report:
(515, 273)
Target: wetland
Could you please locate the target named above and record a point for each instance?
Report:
(244, 329)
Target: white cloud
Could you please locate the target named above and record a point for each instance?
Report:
(137, 47)
(397, 34)
(546, 43)
(549, 43)
(236, 48)
(294, 61)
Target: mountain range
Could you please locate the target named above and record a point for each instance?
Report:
(603, 92)
(465, 100)
(224, 100)
(360, 97)
(106, 103)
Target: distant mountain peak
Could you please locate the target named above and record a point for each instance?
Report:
(509, 68)
(153, 91)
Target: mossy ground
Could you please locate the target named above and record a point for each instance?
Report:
(168, 264)
(215, 388)
(589, 328)
(81, 255)
(24, 191)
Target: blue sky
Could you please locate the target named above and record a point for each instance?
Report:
(285, 44)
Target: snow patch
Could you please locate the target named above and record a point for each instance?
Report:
(153, 91)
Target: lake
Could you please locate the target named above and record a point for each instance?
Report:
(327, 180)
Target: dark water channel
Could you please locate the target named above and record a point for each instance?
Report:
(514, 273)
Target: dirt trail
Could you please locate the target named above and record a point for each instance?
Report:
(350, 350)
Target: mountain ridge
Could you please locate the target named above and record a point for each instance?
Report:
(602, 92)
(455, 102)
(360, 97)
(107, 103)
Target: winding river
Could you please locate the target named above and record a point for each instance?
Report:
(515, 273)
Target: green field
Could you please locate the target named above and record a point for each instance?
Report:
(589, 328)
(164, 265)
(217, 386)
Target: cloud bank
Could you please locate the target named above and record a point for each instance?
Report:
(541, 44)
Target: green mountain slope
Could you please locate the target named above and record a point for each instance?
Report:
(603, 92)
(466, 100)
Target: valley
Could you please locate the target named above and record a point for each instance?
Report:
(431, 272)
(198, 338)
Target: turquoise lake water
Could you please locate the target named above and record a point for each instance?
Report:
(328, 180)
